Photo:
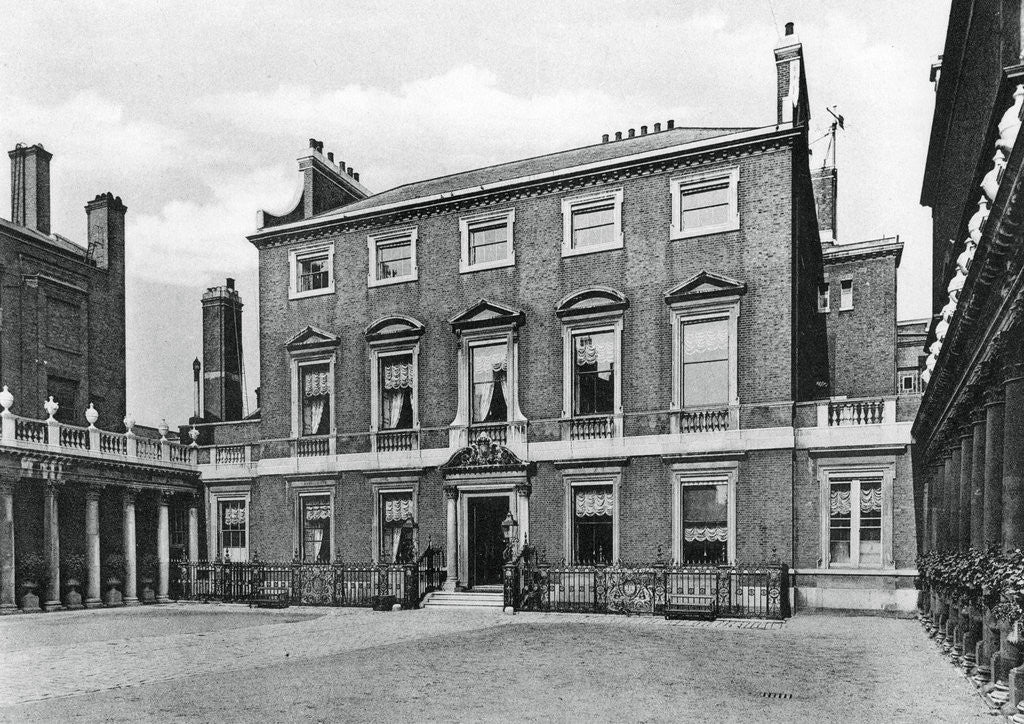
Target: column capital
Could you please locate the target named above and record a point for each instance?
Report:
(451, 492)
(524, 489)
(130, 494)
(163, 497)
(52, 485)
(93, 491)
(978, 415)
(995, 394)
(6, 486)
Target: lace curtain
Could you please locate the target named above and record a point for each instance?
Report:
(594, 502)
(870, 501)
(598, 350)
(484, 393)
(398, 383)
(397, 510)
(234, 516)
(718, 533)
(706, 341)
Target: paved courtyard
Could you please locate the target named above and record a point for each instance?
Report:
(229, 663)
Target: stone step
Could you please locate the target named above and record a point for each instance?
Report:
(463, 599)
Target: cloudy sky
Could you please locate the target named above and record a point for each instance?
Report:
(195, 113)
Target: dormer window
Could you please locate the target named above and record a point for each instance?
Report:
(392, 258)
(311, 272)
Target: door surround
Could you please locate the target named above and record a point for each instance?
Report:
(491, 490)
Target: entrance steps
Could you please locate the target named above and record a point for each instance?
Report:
(492, 599)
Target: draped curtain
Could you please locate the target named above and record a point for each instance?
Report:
(870, 501)
(590, 503)
(397, 394)
(718, 533)
(316, 530)
(594, 383)
(483, 391)
(315, 395)
(234, 516)
(396, 540)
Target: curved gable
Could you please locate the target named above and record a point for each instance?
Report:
(394, 326)
(592, 300)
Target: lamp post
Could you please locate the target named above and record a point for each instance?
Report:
(510, 529)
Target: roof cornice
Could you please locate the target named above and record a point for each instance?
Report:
(644, 163)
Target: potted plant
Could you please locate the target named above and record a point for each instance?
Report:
(113, 573)
(148, 567)
(73, 568)
(35, 574)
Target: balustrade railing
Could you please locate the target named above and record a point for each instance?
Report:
(708, 419)
(844, 413)
(55, 436)
(305, 447)
(397, 440)
(229, 455)
(592, 428)
(497, 432)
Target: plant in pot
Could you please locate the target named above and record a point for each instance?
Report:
(35, 575)
(113, 574)
(73, 568)
(148, 566)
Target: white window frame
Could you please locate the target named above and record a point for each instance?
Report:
(825, 287)
(856, 469)
(589, 478)
(393, 486)
(214, 498)
(695, 181)
(699, 310)
(466, 225)
(701, 474)
(297, 363)
(604, 322)
(372, 243)
(843, 306)
(312, 489)
(296, 256)
(582, 202)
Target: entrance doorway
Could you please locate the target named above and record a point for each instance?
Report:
(486, 541)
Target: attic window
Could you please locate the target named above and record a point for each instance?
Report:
(592, 223)
(311, 272)
(392, 258)
(705, 204)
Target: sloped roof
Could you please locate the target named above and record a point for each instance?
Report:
(540, 164)
(55, 240)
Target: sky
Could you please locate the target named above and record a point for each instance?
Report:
(195, 113)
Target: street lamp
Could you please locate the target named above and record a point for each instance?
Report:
(510, 529)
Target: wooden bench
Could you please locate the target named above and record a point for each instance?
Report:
(688, 606)
(271, 598)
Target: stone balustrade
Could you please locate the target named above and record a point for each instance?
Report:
(856, 412)
(52, 436)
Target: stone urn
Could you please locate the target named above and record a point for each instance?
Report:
(147, 594)
(112, 596)
(72, 598)
(29, 599)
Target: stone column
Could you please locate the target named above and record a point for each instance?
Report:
(8, 593)
(163, 548)
(92, 546)
(966, 461)
(935, 500)
(452, 552)
(523, 506)
(1013, 448)
(994, 465)
(193, 530)
(952, 478)
(978, 480)
(131, 592)
(51, 543)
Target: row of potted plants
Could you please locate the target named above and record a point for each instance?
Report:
(35, 574)
(991, 578)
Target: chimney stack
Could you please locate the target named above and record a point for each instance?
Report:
(791, 89)
(222, 353)
(105, 216)
(825, 182)
(30, 187)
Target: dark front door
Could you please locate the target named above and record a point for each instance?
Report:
(486, 541)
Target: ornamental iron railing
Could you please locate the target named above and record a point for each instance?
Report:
(297, 583)
(743, 591)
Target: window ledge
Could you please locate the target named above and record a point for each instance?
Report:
(592, 249)
(311, 293)
(501, 264)
(705, 231)
(371, 282)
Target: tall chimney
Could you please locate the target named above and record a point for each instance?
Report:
(222, 353)
(826, 187)
(30, 187)
(105, 231)
(791, 95)
(196, 367)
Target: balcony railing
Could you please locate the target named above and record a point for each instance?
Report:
(229, 455)
(308, 447)
(498, 432)
(705, 419)
(50, 435)
(396, 440)
(598, 427)
(851, 413)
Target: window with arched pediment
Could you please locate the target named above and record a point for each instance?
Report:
(394, 344)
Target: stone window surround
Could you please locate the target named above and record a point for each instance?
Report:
(306, 359)
(380, 351)
(842, 306)
(824, 302)
(590, 476)
(714, 472)
(685, 311)
(214, 495)
(299, 489)
(881, 466)
(395, 482)
(507, 333)
(694, 181)
(602, 321)
(325, 251)
(466, 223)
(412, 234)
(575, 203)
